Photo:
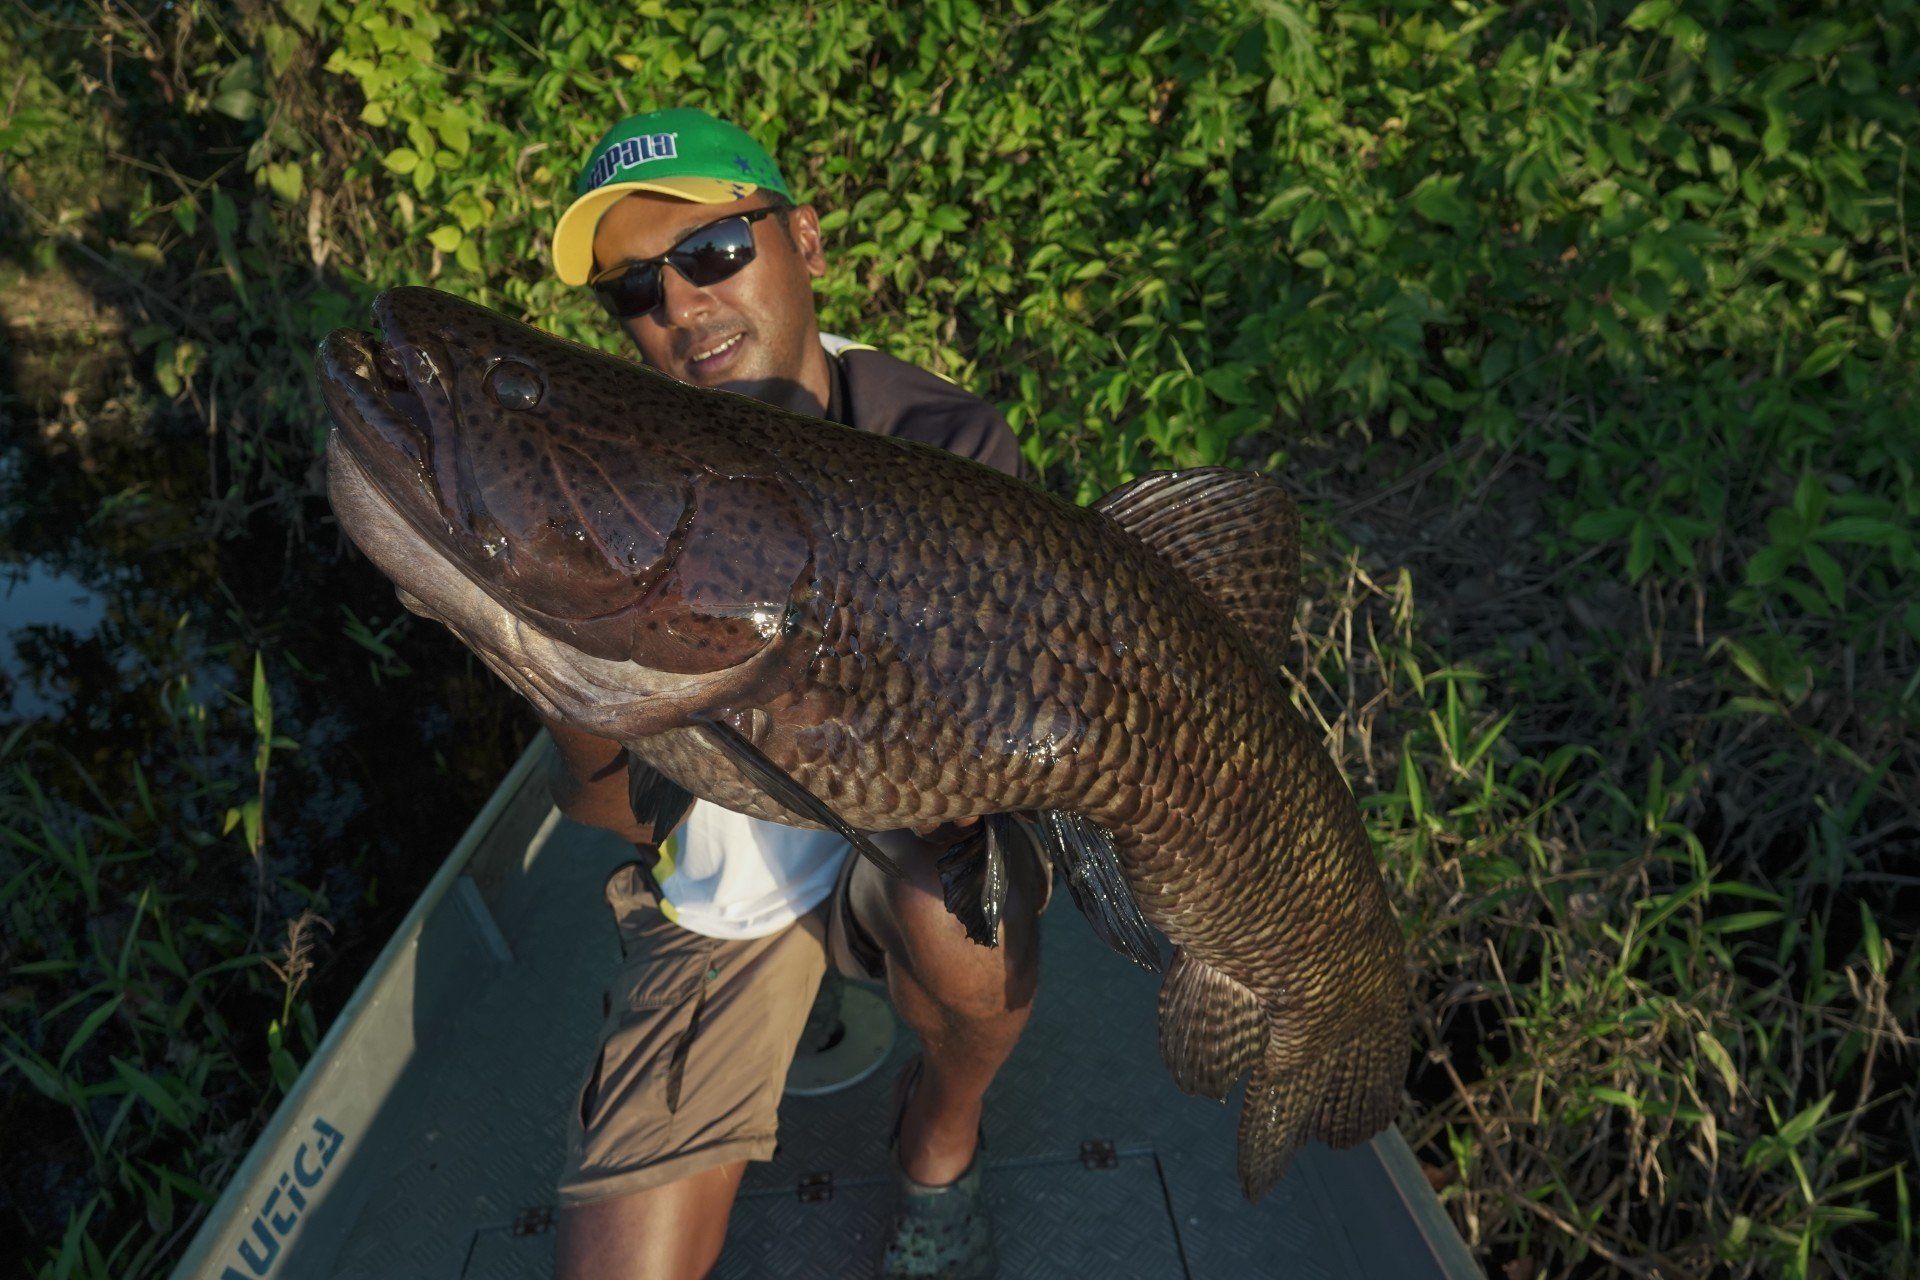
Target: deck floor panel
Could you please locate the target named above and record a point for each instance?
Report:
(486, 1114)
(1057, 1220)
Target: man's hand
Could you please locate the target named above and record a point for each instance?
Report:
(946, 832)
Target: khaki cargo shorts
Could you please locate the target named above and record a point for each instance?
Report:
(697, 1038)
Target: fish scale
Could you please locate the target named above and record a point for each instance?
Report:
(955, 643)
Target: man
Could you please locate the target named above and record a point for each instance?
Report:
(685, 229)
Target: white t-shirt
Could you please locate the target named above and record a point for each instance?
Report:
(726, 875)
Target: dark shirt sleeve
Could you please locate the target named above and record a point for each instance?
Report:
(893, 398)
(987, 438)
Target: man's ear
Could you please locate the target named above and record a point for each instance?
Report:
(803, 227)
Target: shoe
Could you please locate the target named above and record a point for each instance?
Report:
(938, 1233)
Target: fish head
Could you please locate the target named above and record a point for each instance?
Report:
(586, 524)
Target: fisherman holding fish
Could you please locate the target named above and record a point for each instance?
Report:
(855, 629)
(689, 236)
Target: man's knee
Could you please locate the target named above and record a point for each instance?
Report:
(909, 919)
(670, 1232)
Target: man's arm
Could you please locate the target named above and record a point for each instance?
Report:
(589, 781)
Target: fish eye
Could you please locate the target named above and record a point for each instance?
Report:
(515, 384)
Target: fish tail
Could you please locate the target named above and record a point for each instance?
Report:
(1340, 1092)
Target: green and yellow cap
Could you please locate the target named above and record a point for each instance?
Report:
(679, 152)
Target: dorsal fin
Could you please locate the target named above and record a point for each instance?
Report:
(1235, 533)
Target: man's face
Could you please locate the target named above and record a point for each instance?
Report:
(753, 332)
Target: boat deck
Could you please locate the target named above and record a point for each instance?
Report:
(448, 1126)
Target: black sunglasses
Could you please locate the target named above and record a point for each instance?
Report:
(706, 255)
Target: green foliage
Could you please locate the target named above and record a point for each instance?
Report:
(148, 1055)
(1626, 990)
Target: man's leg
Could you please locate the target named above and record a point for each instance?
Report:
(967, 1003)
(683, 1091)
(671, 1232)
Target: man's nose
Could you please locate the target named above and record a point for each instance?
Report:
(682, 303)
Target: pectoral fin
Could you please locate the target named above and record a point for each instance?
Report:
(789, 792)
(1084, 856)
(657, 801)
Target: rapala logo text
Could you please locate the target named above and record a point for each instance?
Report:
(652, 146)
(286, 1202)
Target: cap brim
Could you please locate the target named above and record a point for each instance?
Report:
(573, 237)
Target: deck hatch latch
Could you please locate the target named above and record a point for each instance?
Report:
(1098, 1153)
(815, 1188)
(532, 1222)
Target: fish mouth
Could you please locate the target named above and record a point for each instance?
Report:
(606, 696)
(382, 410)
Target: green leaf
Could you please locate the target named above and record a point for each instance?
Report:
(1640, 549)
(286, 180)
(447, 238)
(1768, 564)
(1438, 199)
(1743, 921)
(49, 1083)
(453, 131)
(1798, 1129)
(1774, 140)
(1870, 530)
(1722, 1061)
(1824, 357)
(1230, 383)
(262, 700)
(1602, 526)
(1826, 570)
(403, 160)
(1871, 942)
(238, 103)
(1649, 14)
(164, 1104)
(84, 1032)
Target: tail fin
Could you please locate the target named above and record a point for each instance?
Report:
(1341, 1094)
(1341, 1086)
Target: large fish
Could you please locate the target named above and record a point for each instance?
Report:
(812, 624)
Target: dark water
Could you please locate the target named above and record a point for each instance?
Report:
(39, 605)
(129, 633)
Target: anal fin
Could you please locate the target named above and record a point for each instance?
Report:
(1211, 1027)
(789, 792)
(1085, 858)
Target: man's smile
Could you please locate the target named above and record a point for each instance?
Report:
(714, 356)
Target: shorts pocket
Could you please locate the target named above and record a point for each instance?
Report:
(590, 1091)
(671, 971)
